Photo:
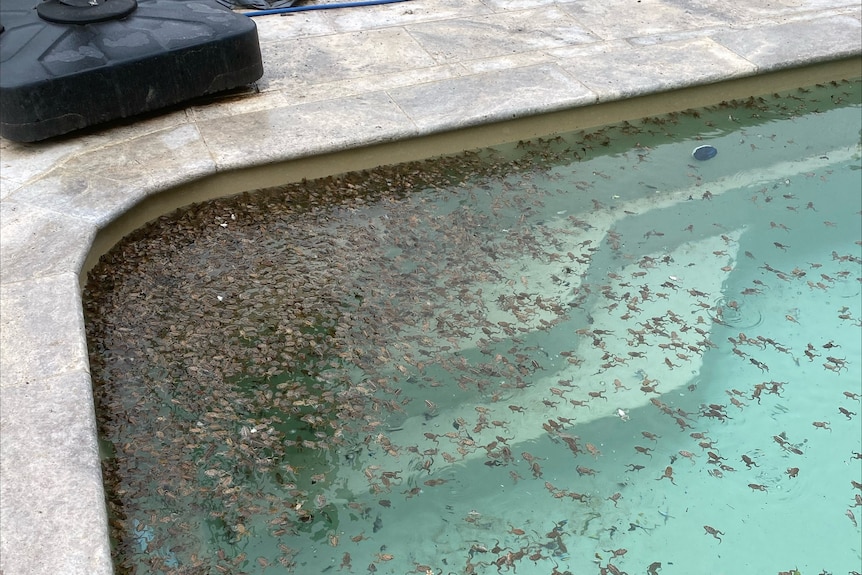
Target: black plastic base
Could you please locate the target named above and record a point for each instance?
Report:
(57, 78)
(84, 11)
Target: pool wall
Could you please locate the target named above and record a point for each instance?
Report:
(395, 84)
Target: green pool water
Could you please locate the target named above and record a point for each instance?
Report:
(590, 353)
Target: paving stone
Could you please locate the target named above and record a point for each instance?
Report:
(293, 131)
(240, 104)
(642, 18)
(511, 61)
(402, 13)
(639, 71)
(500, 34)
(43, 329)
(7, 186)
(786, 45)
(22, 258)
(343, 56)
(278, 28)
(102, 183)
(47, 436)
(494, 96)
(509, 5)
(347, 88)
(751, 15)
(20, 163)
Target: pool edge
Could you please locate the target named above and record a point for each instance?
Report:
(435, 143)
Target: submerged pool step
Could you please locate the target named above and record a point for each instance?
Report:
(90, 68)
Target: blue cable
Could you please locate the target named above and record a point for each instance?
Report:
(320, 7)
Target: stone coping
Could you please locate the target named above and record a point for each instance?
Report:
(367, 78)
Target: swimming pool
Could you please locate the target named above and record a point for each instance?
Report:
(587, 350)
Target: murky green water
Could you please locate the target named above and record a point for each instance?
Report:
(583, 353)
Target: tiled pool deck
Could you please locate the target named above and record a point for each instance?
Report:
(334, 80)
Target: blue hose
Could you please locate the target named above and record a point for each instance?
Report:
(320, 7)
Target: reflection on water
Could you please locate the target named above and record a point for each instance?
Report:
(592, 353)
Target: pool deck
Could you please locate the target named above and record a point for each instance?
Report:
(334, 80)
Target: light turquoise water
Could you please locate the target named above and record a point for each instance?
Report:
(355, 375)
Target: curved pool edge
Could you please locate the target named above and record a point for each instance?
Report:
(399, 148)
(51, 501)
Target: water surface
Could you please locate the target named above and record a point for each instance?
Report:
(586, 352)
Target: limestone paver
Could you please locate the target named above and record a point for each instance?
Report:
(401, 14)
(23, 259)
(475, 99)
(269, 135)
(466, 39)
(100, 184)
(51, 478)
(43, 332)
(334, 79)
(786, 45)
(639, 70)
(343, 56)
(643, 18)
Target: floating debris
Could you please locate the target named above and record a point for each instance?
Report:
(381, 370)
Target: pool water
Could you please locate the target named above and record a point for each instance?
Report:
(592, 353)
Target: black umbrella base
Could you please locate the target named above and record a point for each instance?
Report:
(70, 64)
